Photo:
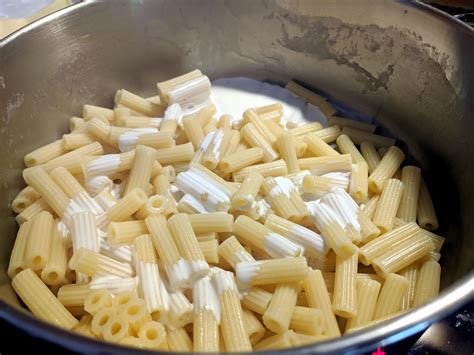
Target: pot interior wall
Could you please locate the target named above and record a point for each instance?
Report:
(384, 63)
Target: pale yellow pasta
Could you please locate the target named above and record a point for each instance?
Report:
(251, 116)
(427, 283)
(240, 160)
(257, 140)
(410, 273)
(40, 236)
(319, 147)
(326, 164)
(91, 111)
(344, 301)
(234, 141)
(255, 329)
(305, 129)
(280, 200)
(72, 161)
(96, 300)
(306, 320)
(184, 236)
(48, 189)
(287, 150)
(385, 169)
(405, 253)
(211, 222)
(233, 252)
(437, 240)
(388, 204)
(385, 242)
(391, 296)
(17, 257)
(138, 103)
(371, 205)
(257, 300)
(136, 314)
(116, 329)
(232, 324)
(45, 153)
(193, 131)
(179, 340)
(206, 317)
(125, 232)
(73, 295)
(319, 185)
(277, 341)
(84, 326)
(276, 130)
(67, 182)
(318, 297)
(162, 240)
(141, 170)
(41, 301)
(367, 293)
(329, 134)
(309, 95)
(411, 187)
(313, 243)
(272, 271)
(94, 264)
(161, 185)
(153, 334)
(165, 86)
(299, 339)
(431, 256)
(280, 309)
(209, 250)
(244, 198)
(77, 140)
(99, 129)
(359, 185)
(176, 154)
(346, 146)
(262, 239)
(54, 272)
(368, 229)
(347, 122)
(274, 168)
(128, 205)
(426, 214)
(281, 238)
(358, 136)
(368, 151)
(278, 107)
(24, 199)
(77, 124)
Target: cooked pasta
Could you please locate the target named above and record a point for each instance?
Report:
(167, 224)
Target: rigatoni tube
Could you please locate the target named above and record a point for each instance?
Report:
(280, 309)
(427, 284)
(272, 271)
(345, 295)
(41, 301)
(232, 324)
(389, 164)
(318, 297)
(387, 206)
(391, 296)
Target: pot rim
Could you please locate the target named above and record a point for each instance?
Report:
(414, 321)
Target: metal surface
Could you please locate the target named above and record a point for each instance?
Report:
(406, 65)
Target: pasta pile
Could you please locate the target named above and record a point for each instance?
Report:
(158, 225)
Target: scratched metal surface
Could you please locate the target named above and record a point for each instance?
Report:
(408, 68)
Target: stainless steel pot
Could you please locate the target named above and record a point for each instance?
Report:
(407, 65)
